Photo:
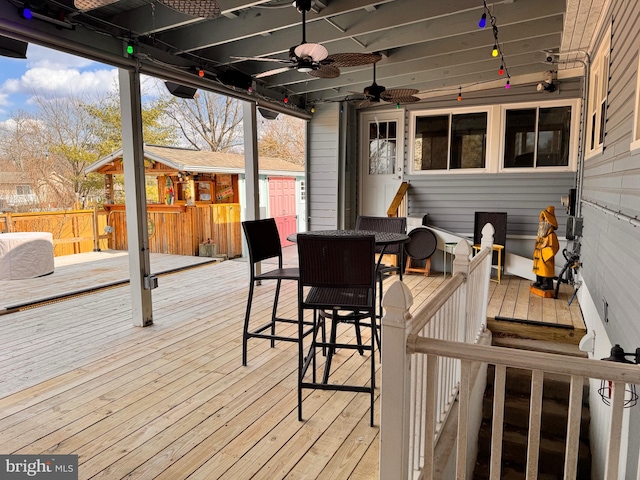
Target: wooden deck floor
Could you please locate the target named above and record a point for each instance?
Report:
(172, 401)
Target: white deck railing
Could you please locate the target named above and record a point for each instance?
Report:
(439, 365)
(410, 406)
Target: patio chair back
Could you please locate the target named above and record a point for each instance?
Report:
(384, 224)
(337, 261)
(263, 240)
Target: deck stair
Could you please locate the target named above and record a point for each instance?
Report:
(516, 419)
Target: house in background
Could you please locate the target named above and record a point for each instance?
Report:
(187, 177)
(21, 192)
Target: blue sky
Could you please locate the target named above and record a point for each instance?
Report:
(49, 73)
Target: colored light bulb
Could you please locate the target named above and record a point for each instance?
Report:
(495, 52)
(507, 85)
(501, 70)
(483, 20)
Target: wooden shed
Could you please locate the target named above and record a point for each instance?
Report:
(199, 198)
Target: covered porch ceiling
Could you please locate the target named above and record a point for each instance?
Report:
(432, 47)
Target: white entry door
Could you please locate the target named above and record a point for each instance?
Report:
(381, 162)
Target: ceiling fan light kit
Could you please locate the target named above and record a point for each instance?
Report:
(313, 52)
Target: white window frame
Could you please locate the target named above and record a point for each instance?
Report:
(414, 114)
(597, 96)
(573, 142)
(635, 140)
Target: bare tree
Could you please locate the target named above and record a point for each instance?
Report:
(209, 121)
(70, 134)
(24, 148)
(283, 138)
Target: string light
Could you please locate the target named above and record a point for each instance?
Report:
(200, 73)
(483, 20)
(496, 51)
(130, 48)
(313, 109)
(286, 99)
(26, 13)
(460, 94)
(398, 106)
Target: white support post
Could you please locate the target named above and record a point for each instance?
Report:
(135, 191)
(249, 121)
(461, 261)
(486, 241)
(395, 393)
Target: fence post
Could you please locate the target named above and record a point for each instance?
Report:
(395, 390)
(9, 223)
(96, 235)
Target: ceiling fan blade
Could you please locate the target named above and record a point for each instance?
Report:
(408, 99)
(275, 71)
(394, 93)
(264, 59)
(195, 8)
(85, 5)
(352, 59)
(325, 71)
(311, 51)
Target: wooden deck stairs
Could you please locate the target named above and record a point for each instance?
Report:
(516, 417)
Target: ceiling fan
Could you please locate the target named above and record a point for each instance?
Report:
(313, 58)
(195, 8)
(374, 93)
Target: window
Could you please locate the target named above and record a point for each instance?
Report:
(537, 137)
(450, 141)
(597, 100)
(382, 147)
(23, 189)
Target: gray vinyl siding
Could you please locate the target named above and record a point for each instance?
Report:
(323, 167)
(451, 200)
(611, 247)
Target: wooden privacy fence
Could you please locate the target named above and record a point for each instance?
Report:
(74, 231)
(180, 229)
(177, 230)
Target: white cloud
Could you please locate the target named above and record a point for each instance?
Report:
(53, 74)
(40, 57)
(61, 82)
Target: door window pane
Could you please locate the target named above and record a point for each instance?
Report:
(382, 148)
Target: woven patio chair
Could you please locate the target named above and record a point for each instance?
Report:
(338, 283)
(263, 242)
(385, 224)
